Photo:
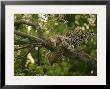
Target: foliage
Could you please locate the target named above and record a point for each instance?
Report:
(53, 25)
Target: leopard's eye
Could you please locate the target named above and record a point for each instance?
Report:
(66, 39)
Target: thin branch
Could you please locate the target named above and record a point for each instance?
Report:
(29, 51)
(26, 53)
(28, 46)
(24, 41)
(39, 61)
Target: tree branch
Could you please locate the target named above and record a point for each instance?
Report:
(36, 26)
(24, 22)
(82, 56)
(17, 42)
(28, 36)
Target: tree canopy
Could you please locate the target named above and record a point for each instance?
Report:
(55, 44)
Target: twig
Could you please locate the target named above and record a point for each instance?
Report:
(39, 55)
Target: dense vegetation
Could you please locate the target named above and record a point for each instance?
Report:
(36, 38)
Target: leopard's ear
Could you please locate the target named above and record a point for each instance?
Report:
(68, 33)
